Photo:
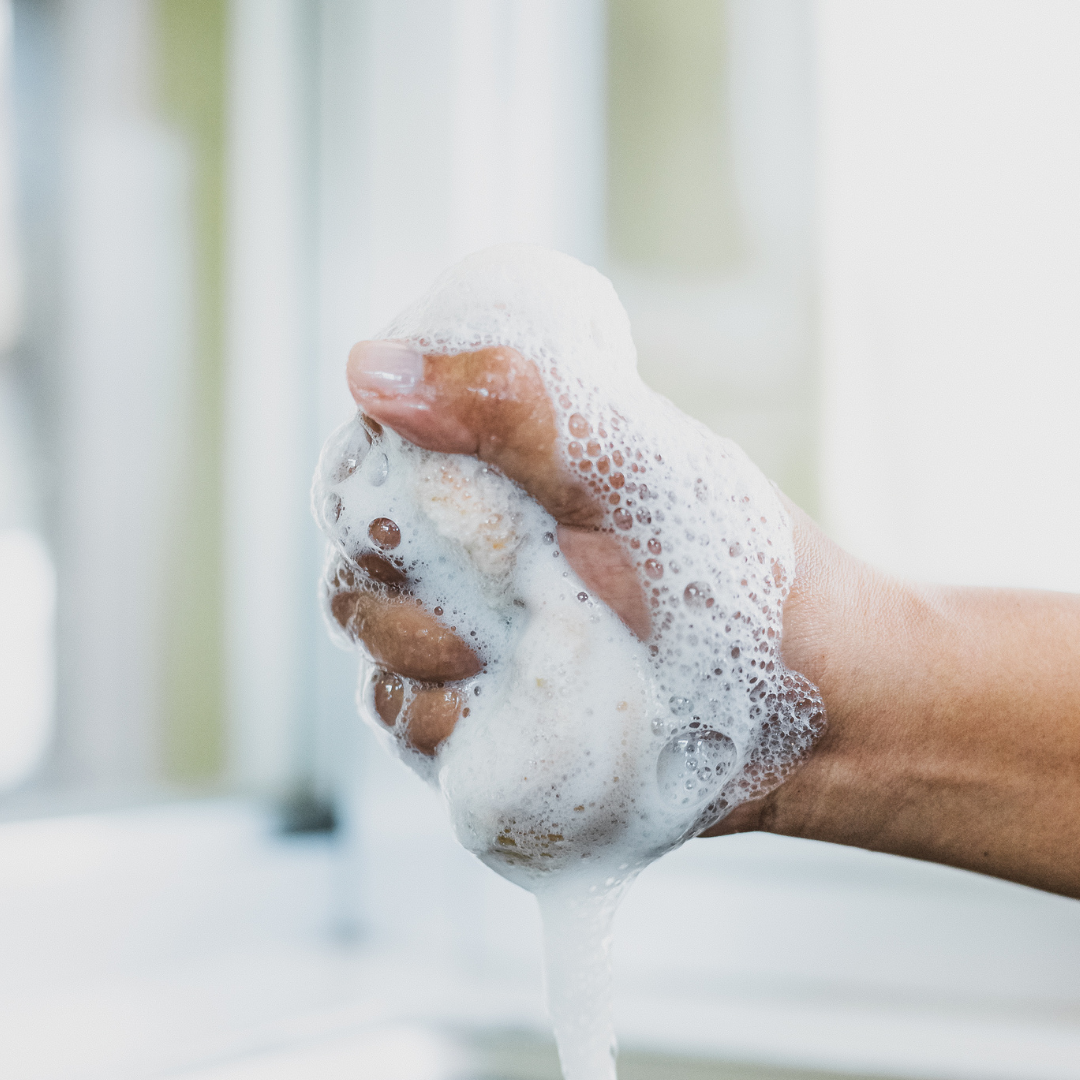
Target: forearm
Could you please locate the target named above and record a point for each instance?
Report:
(953, 721)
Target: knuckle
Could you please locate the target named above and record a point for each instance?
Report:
(389, 696)
(431, 717)
(381, 569)
(343, 608)
(410, 641)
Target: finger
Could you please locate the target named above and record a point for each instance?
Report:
(400, 634)
(380, 569)
(389, 694)
(370, 604)
(607, 569)
(430, 716)
(490, 403)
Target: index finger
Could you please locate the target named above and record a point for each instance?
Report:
(492, 403)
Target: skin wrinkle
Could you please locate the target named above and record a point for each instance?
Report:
(953, 714)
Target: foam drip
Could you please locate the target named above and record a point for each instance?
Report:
(585, 753)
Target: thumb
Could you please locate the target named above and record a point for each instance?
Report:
(492, 403)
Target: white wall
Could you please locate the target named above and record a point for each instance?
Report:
(735, 349)
(949, 173)
(125, 298)
(449, 125)
(269, 398)
(27, 574)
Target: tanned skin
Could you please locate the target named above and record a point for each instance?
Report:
(953, 713)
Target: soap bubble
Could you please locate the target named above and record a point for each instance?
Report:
(346, 449)
(378, 470)
(694, 766)
(698, 595)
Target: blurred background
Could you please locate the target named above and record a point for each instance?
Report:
(847, 235)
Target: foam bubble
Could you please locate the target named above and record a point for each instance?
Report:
(583, 753)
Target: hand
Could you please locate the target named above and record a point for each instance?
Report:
(953, 714)
(492, 404)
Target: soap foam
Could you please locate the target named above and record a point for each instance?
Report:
(585, 753)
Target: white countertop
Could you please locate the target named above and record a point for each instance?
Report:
(168, 939)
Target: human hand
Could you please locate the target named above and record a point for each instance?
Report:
(492, 404)
(952, 712)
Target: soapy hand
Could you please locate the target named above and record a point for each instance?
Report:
(492, 404)
(942, 742)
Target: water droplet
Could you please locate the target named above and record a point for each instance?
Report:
(378, 470)
(698, 594)
(388, 693)
(331, 509)
(578, 425)
(347, 449)
(698, 762)
(385, 533)
(654, 569)
(623, 519)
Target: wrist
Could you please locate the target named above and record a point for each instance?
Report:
(953, 718)
(858, 635)
(840, 620)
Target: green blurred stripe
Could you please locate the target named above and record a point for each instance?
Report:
(192, 81)
(671, 192)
